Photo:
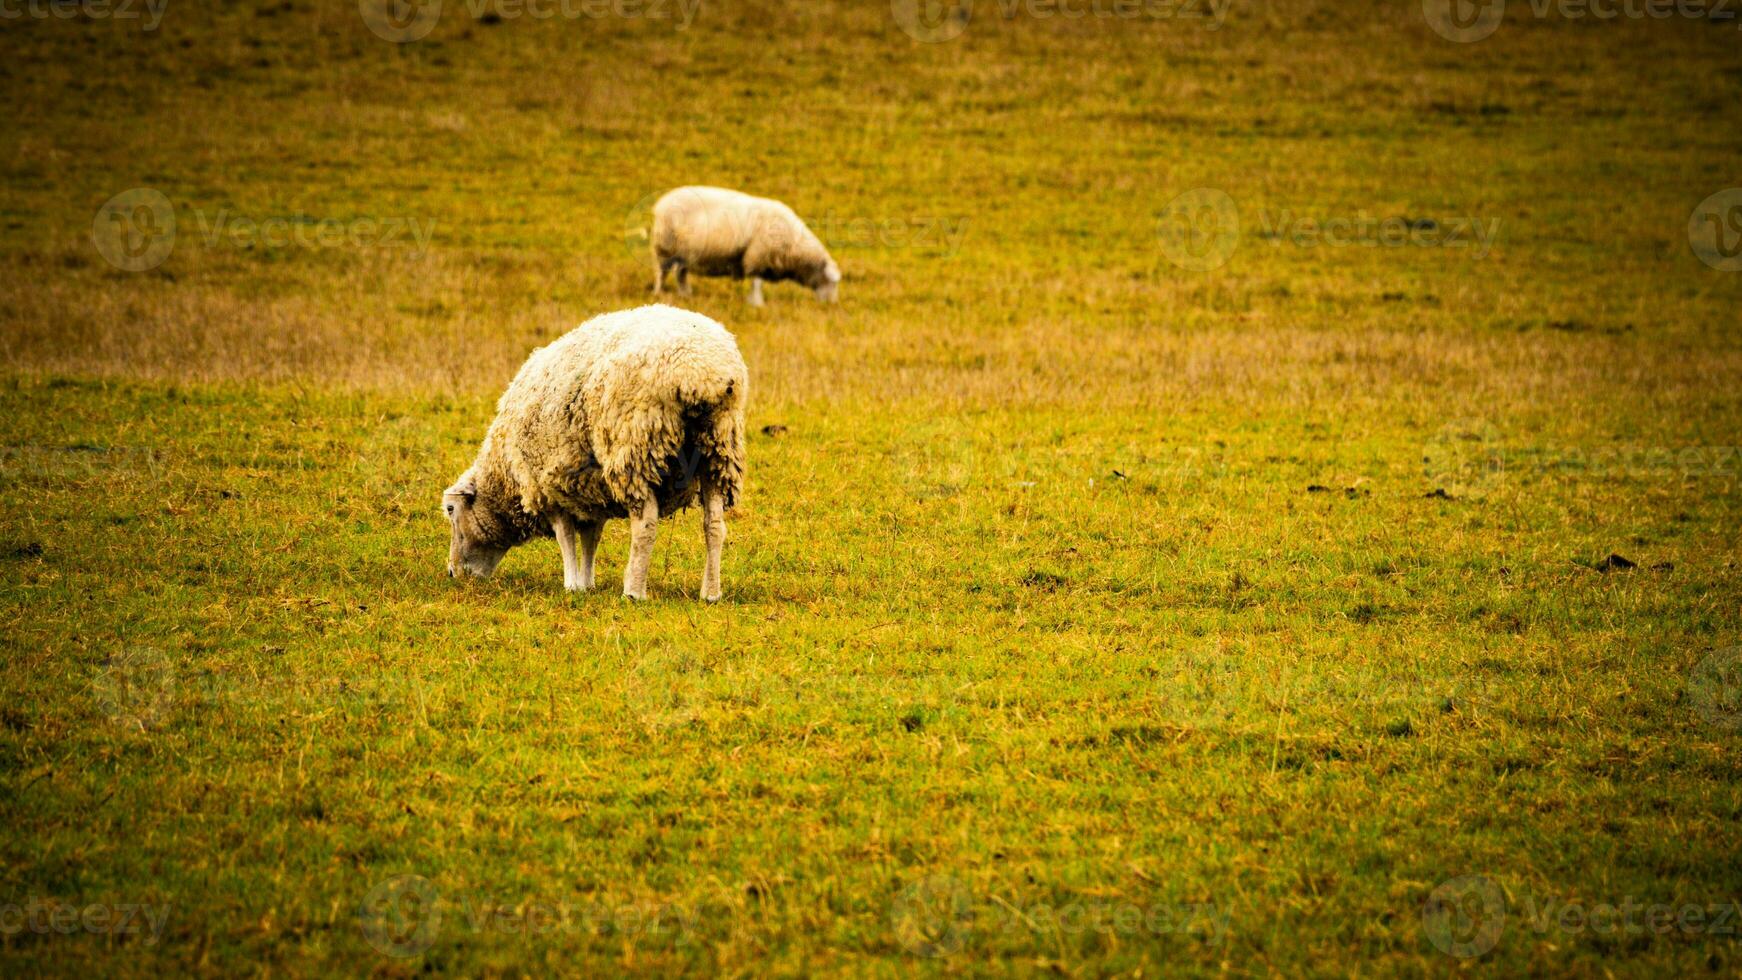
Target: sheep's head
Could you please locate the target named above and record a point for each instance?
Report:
(828, 283)
(472, 548)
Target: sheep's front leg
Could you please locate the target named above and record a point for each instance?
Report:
(590, 532)
(683, 280)
(714, 533)
(755, 291)
(565, 539)
(643, 526)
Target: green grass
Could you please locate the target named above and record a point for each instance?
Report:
(1089, 615)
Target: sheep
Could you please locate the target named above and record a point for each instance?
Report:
(633, 414)
(715, 232)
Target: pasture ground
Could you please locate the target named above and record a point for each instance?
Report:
(1090, 612)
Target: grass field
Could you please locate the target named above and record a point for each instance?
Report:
(1185, 549)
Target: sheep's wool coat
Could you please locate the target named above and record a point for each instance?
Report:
(645, 402)
(719, 232)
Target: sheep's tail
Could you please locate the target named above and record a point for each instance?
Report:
(714, 410)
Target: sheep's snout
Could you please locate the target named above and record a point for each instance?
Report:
(465, 554)
(829, 290)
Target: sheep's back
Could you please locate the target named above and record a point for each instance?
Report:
(593, 421)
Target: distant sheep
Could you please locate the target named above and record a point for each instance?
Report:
(633, 414)
(715, 232)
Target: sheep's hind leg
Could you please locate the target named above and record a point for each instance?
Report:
(755, 291)
(643, 527)
(714, 533)
(683, 280)
(589, 532)
(565, 540)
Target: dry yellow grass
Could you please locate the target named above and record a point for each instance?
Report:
(1070, 579)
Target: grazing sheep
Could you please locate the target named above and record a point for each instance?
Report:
(716, 232)
(632, 414)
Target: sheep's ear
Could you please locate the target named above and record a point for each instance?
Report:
(466, 489)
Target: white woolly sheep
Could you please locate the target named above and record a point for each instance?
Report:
(633, 414)
(711, 231)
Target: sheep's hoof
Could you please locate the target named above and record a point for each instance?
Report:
(638, 598)
(711, 599)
